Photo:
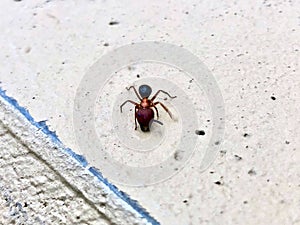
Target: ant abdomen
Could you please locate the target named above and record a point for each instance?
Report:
(144, 117)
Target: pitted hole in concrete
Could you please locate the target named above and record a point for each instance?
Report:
(111, 23)
(200, 132)
(238, 158)
(178, 155)
(217, 142)
(252, 172)
(218, 183)
(246, 135)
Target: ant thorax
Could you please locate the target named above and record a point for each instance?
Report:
(145, 102)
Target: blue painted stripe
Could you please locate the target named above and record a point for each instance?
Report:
(41, 125)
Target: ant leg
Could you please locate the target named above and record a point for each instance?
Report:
(156, 111)
(135, 92)
(165, 108)
(152, 99)
(121, 106)
(135, 109)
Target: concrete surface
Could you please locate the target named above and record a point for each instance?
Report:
(42, 182)
(252, 49)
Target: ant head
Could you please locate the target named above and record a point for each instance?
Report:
(145, 91)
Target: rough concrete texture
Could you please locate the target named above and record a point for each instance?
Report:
(40, 183)
(251, 47)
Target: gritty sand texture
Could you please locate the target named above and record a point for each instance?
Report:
(41, 183)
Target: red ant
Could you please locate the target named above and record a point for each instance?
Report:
(143, 112)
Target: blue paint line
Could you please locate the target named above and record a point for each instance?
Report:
(78, 157)
(41, 125)
(133, 203)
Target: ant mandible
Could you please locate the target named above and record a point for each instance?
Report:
(144, 113)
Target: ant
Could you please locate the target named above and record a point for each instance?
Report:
(144, 113)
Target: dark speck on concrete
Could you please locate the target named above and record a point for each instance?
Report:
(105, 44)
(218, 183)
(223, 152)
(177, 156)
(273, 98)
(252, 172)
(111, 23)
(28, 49)
(200, 132)
(246, 135)
(130, 68)
(237, 157)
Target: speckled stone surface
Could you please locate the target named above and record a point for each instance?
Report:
(40, 183)
(252, 49)
(32, 193)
